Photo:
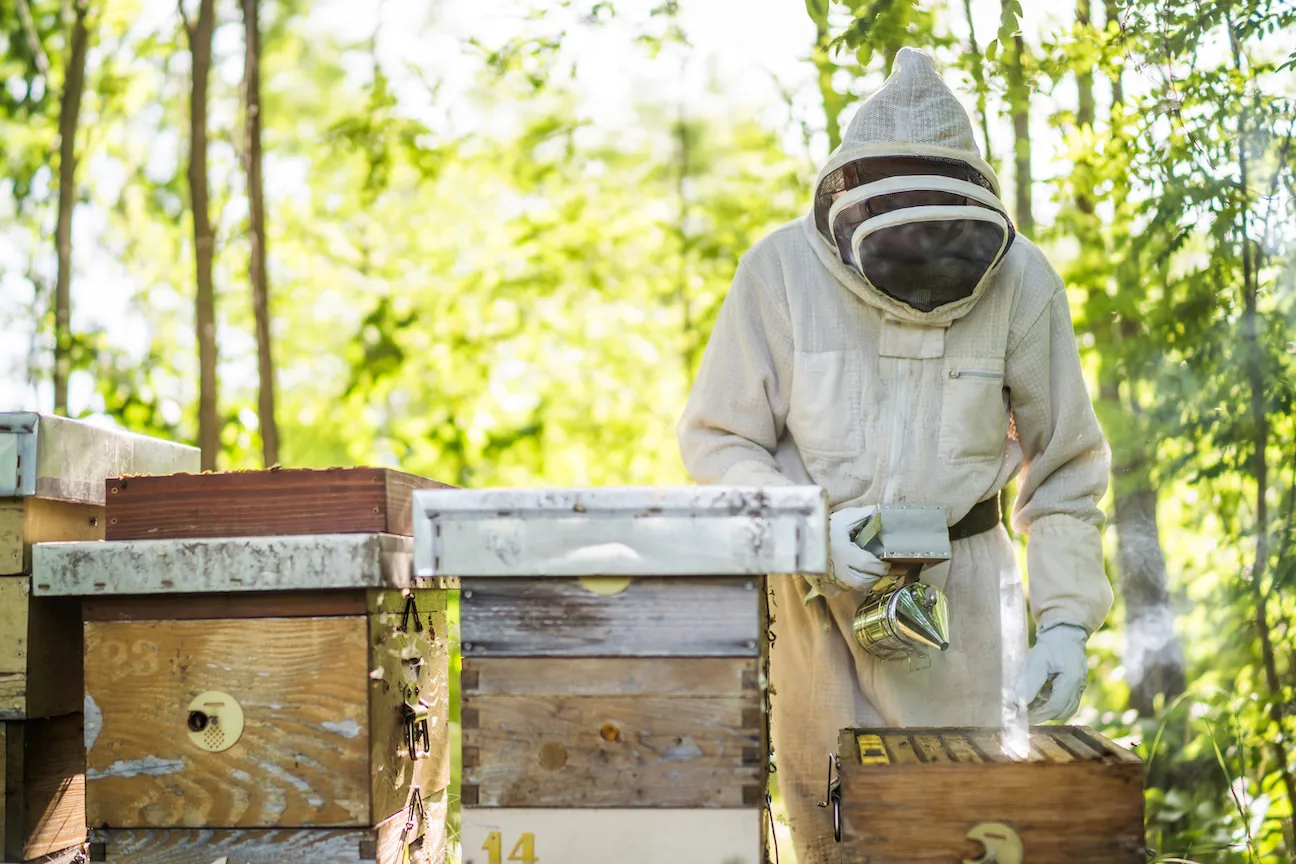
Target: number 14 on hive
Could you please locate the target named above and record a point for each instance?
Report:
(523, 851)
(506, 835)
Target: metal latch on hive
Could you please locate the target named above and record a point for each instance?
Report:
(834, 796)
(414, 713)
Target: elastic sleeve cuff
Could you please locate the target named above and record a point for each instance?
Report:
(753, 472)
(1064, 562)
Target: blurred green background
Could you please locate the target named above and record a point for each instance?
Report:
(496, 234)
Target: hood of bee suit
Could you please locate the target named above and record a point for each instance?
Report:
(906, 213)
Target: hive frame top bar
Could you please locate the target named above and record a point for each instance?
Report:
(620, 531)
(44, 456)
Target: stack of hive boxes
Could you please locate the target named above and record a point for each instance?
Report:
(614, 665)
(265, 679)
(52, 473)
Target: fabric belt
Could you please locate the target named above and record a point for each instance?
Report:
(983, 516)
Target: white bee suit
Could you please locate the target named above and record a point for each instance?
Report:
(813, 375)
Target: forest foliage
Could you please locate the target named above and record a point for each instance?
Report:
(498, 290)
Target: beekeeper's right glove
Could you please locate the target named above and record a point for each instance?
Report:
(850, 568)
(1057, 658)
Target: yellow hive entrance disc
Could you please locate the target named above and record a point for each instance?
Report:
(215, 721)
(606, 585)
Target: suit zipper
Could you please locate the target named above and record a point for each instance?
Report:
(974, 373)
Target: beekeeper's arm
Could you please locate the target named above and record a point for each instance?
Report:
(1064, 474)
(735, 414)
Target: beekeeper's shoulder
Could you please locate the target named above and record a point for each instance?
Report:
(776, 249)
(1026, 272)
(771, 258)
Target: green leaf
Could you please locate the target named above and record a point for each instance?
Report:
(992, 50)
(817, 10)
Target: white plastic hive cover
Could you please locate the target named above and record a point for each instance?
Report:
(624, 531)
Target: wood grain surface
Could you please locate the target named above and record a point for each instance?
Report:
(384, 844)
(24, 521)
(423, 835)
(203, 846)
(263, 604)
(71, 855)
(43, 786)
(303, 758)
(651, 617)
(262, 503)
(40, 652)
(1077, 799)
(599, 676)
(613, 751)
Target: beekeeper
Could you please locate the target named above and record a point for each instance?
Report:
(902, 344)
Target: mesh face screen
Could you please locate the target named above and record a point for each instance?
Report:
(929, 264)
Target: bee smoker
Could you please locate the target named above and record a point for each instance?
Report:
(903, 617)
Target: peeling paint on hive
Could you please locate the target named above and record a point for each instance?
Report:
(149, 766)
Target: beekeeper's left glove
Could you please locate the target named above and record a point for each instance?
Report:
(1058, 656)
(850, 567)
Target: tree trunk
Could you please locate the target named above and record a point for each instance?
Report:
(889, 53)
(256, 218)
(1152, 655)
(200, 47)
(69, 114)
(1112, 8)
(1254, 354)
(1084, 120)
(1019, 109)
(978, 79)
(33, 38)
(1084, 77)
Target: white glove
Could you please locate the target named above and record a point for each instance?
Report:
(1058, 657)
(850, 568)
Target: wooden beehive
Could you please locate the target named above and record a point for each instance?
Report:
(288, 501)
(52, 473)
(322, 646)
(916, 795)
(614, 665)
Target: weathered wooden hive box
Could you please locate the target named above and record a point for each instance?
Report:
(280, 695)
(614, 665)
(52, 473)
(909, 796)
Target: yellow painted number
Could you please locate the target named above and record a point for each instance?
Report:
(492, 847)
(524, 851)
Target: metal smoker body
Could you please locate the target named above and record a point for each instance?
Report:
(903, 618)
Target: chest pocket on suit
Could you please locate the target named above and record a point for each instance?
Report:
(974, 410)
(824, 408)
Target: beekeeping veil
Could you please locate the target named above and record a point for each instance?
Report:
(906, 202)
